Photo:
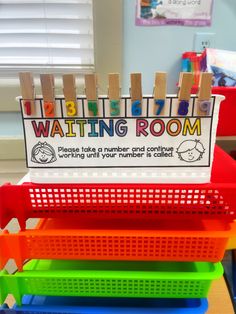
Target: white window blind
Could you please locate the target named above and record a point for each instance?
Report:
(46, 33)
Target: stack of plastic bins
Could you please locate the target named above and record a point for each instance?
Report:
(123, 241)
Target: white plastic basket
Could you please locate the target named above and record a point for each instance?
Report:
(155, 149)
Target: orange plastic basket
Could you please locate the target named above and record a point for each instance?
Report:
(121, 240)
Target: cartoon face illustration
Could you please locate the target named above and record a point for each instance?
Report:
(190, 150)
(42, 157)
(43, 153)
(191, 155)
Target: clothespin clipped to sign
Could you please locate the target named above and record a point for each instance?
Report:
(186, 83)
(47, 86)
(69, 90)
(204, 94)
(91, 93)
(159, 93)
(114, 94)
(136, 94)
(27, 92)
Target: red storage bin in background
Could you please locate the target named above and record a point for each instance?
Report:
(227, 117)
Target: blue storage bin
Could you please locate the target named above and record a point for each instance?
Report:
(73, 305)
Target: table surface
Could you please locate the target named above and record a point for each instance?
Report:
(219, 299)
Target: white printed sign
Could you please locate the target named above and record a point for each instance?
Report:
(147, 141)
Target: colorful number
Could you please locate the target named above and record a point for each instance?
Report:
(115, 107)
(49, 108)
(93, 107)
(27, 105)
(71, 108)
(136, 108)
(183, 108)
(161, 104)
(205, 106)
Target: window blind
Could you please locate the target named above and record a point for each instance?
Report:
(46, 33)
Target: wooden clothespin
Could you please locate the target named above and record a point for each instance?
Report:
(69, 90)
(159, 92)
(204, 94)
(136, 94)
(186, 83)
(47, 86)
(91, 93)
(27, 92)
(114, 93)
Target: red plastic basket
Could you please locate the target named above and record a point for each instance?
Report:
(215, 200)
(118, 240)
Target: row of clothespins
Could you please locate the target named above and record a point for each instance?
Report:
(114, 93)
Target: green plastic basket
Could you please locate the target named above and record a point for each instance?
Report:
(111, 279)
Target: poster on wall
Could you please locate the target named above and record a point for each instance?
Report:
(174, 12)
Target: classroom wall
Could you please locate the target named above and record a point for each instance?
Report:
(159, 48)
